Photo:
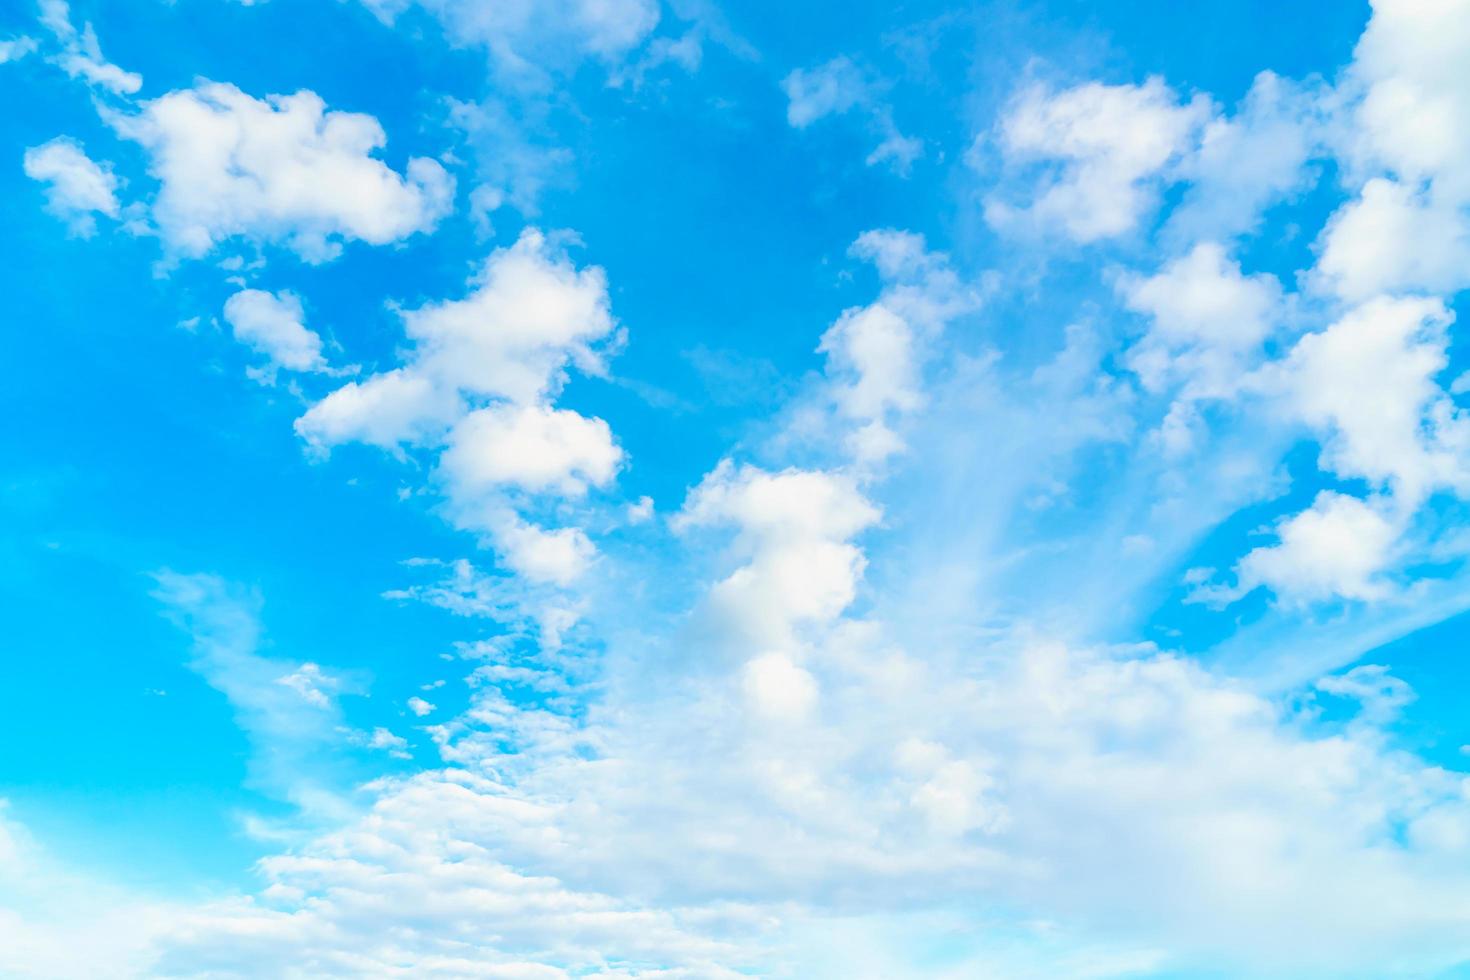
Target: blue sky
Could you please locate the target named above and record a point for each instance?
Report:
(664, 488)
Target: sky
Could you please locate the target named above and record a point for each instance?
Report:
(547, 489)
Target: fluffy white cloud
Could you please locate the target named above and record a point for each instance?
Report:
(558, 556)
(76, 187)
(794, 526)
(778, 688)
(531, 447)
(1204, 317)
(1337, 548)
(1207, 323)
(1368, 383)
(1409, 229)
(282, 169)
(1392, 239)
(384, 410)
(420, 707)
(530, 315)
(1107, 146)
(1414, 117)
(273, 324)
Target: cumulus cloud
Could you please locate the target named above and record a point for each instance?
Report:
(1410, 69)
(530, 316)
(1392, 239)
(1207, 324)
(283, 170)
(77, 188)
(1368, 382)
(1200, 307)
(1105, 149)
(274, 325)
(557, 556)
(532, 447)
(1337, 548)
(794, 527)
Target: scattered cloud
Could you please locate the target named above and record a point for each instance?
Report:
(273, 324)
(77, 189)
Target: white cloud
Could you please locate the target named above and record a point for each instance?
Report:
(1248, 161)
(1207, 324)
(640, 510)
(900, 152)
(1392, 239)
(273, 324)
(1337, 548)
(15, 48)
(383, 410)
(1107, 147)
(1368, 383)
(382, 740)
(81, 56)
(1200, 305)
(416, 882)
(532, 447)
(284, 169)
(837, 87)
(794, 527)
(875, 352)
(478, 385)
(1414, 118)
(558, 556)
(420, 707)
(826, 90)
(778, 688)
(77, 188)
(530, 315)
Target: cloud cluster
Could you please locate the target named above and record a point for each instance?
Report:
(478, 385)
(888, 697)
